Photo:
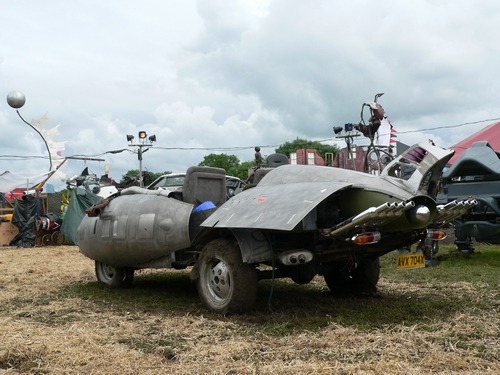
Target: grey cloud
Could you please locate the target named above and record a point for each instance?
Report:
(242, 73)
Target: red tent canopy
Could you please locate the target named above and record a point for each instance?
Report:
(490, 134)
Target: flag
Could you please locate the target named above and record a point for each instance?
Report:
(393, 134)
(383, 133)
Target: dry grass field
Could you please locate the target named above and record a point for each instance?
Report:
(56, 319)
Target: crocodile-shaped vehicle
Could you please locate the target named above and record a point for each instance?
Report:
(298, 221)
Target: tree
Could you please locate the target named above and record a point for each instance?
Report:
(229, 163)
(130, 174)
(288, 147)
(242, 170)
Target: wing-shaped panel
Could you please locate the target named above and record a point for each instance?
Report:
(279, 207)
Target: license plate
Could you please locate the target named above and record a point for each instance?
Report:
(411, 261)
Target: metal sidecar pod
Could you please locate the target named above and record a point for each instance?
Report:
(141, 228)
(137, 227)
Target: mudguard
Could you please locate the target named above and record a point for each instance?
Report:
(273, 206)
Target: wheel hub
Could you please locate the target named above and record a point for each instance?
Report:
(218, 280)
(109, 271)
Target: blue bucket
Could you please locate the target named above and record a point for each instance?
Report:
(204, 206)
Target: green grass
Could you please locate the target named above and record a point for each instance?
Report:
(441, 319)
(479, 268)
(416, 296)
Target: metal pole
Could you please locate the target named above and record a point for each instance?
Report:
(40, 134)
(139, 155)
(142, 143)
(16, 100)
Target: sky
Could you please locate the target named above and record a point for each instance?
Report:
(224, 76)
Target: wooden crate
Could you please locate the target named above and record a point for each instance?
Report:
(7, 232)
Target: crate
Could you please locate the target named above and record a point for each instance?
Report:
(7, 232)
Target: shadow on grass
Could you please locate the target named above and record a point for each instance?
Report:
(281, 308)
(165, 291)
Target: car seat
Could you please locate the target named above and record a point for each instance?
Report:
(204, 184)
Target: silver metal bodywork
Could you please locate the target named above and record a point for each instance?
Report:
(271, 207)
(297, 207)
(287, 194)
(138, 227)
(295, 213)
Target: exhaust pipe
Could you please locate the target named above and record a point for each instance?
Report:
(382, 213)
(97, 208)
(454, 209)
(295, 257)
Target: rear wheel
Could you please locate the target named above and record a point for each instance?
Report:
(338, 278)
(224, 282)
(366, 276)
(57, 238)
(46, 240)
(114, 277)
(357, 278)
(302, 274)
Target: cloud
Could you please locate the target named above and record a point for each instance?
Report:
(241, 73)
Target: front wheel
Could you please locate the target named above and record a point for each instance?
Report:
(224, 282)
(114, 277)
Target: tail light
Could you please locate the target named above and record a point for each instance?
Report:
(366, 238)
(436, 234)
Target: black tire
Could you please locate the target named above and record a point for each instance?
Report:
(366, 275)
(114, 277)
(46, 240)
(338, 278)
(224, 282)
(302, 274)
(360, 278)
(57, 238)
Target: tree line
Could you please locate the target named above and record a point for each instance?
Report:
(232, 164)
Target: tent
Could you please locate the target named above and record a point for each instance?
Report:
(491, 134)
(81, 199)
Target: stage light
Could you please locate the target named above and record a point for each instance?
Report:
(143, 137)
